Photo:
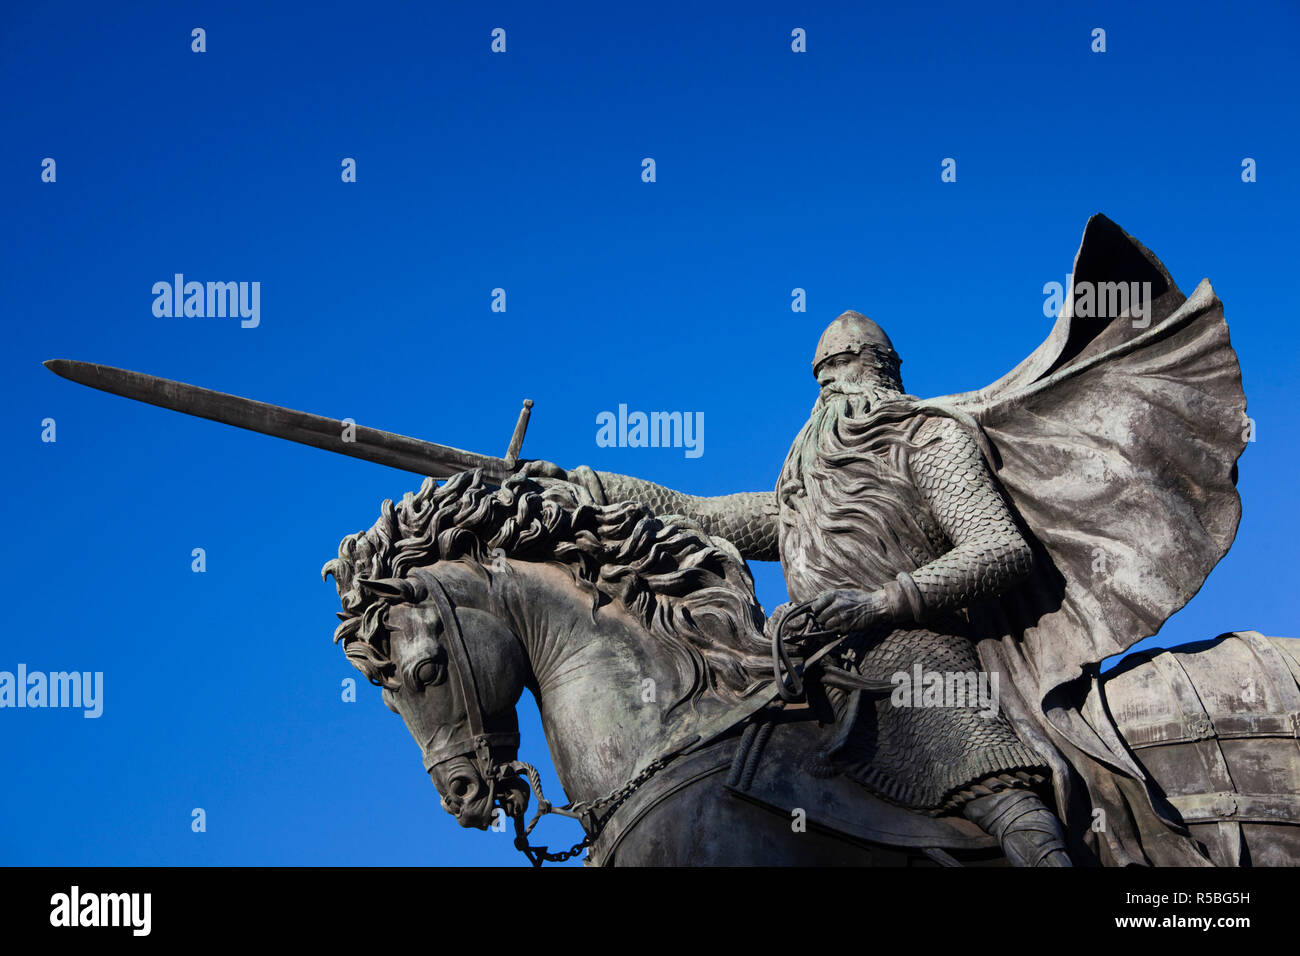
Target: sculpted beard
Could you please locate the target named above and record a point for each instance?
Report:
(828, 520)
(856, 391)
(853, 394)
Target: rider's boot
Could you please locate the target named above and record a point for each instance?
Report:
(1030, 833)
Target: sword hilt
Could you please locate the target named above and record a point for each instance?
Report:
(517, 439)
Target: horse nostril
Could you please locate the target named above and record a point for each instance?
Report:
(459, 786)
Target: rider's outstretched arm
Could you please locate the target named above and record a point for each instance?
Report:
(746, 519)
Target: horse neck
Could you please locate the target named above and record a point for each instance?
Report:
(603, 687)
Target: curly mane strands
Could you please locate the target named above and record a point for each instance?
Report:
(690, 591)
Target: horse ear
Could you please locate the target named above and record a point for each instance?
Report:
(386, 587)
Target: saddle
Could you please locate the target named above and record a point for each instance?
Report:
(777, 766)
(772, 764)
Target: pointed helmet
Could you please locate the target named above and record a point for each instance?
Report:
(850, 332)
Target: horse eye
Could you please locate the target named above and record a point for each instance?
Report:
(428, 672)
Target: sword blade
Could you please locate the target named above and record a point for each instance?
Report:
(371, 444)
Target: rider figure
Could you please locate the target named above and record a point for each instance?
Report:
(889, 524)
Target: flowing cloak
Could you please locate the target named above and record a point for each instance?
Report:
(1117, 445)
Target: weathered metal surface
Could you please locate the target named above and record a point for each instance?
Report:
(1218, 724)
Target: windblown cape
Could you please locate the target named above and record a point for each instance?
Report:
(1117, 445)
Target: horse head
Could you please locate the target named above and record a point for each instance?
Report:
(454, 675)
(632, 632)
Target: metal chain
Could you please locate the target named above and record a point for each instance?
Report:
(582, 812)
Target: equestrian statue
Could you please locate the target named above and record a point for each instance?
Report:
(958, 570)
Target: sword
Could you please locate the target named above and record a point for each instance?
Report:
(368, 444)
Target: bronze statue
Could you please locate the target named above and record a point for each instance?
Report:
(1017, 536)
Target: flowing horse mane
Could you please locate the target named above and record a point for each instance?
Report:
(690, 591)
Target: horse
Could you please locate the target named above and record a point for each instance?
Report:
(643, 643)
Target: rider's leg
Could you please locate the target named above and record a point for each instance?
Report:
(1030, 833)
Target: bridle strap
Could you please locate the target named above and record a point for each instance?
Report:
(466, 745)
(479, 742)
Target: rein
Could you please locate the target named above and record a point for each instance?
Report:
(594, 815)
(790, 681)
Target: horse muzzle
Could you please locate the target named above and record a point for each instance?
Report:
(465, 794)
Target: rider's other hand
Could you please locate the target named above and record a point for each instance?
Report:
(773, 625)
(848, 610)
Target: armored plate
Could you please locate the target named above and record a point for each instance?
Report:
(1218, 723)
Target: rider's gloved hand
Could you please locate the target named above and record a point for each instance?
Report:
(849, 610)
(543, 469)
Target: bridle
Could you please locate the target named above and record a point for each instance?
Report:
(478, 742)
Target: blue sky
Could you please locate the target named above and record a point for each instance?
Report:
(775, 170)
